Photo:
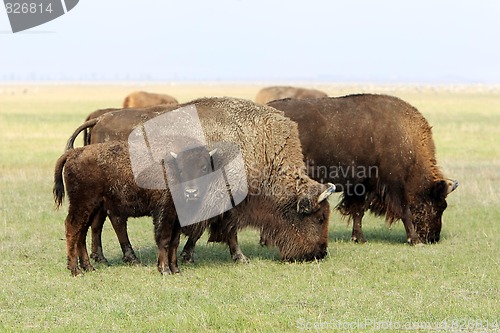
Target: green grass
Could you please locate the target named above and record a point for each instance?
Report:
(381, 281)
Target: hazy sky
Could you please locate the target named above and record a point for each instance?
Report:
(261, 40)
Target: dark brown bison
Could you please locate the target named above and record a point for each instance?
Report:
(279, 92)
(99, 177)
(142, 99)
(282, 201)
(116, 125)
(379, 150)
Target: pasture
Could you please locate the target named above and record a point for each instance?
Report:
(376, 286)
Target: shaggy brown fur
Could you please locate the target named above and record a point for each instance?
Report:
(282, 200)
(379, 150)
(142, 99)
(108, 165)
(279, 92)
(100, 177)
(116, 125)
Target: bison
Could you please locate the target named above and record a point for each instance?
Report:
(279, 92)
(116, 126)
(99, 177)
(379, 150)
(142, 99)
(282, 201)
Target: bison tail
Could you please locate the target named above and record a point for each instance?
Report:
(86, 136)
(58, 189)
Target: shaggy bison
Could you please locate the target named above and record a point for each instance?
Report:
(116, 125)
(142, 99)
(99, 176)
(379, 150)
(279, 92)
(283, 202)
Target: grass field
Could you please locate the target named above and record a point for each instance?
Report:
(378, 286)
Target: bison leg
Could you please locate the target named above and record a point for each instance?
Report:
(411, 235)
(97, 224)
(74, 224)
(194, 232)
(187, 253)
(163, 237)
(82, 250)
(354, 207)
(120, 226)
(263, 239)
(172, 248)
(357, 231)
(234, 248)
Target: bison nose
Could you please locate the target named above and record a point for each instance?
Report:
(191, 193)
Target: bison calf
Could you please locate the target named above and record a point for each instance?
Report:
(99, 177)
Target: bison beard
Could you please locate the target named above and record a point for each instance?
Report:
(296, 221)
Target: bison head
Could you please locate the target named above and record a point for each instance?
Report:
(427, 214)
(189, 165)
(302, 233)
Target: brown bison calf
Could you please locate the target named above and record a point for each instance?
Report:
(99, 178)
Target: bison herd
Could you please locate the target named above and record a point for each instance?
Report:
(294, 148)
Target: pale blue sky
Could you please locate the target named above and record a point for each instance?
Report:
(425, 41)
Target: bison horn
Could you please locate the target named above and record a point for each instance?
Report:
(213, 152)
(174, 155)
(452, 185)
(327, 192)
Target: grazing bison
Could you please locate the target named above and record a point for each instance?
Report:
(282, 201)
(279, 92)
(142, 99)
(379, 150)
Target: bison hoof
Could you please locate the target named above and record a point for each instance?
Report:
(174, 270)
(415, 242)
(99, 258)
(88, 268)
(131, 260)
(75, 271)
(358, 239)
(187, 258)
(164, 270)
(240, 259)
